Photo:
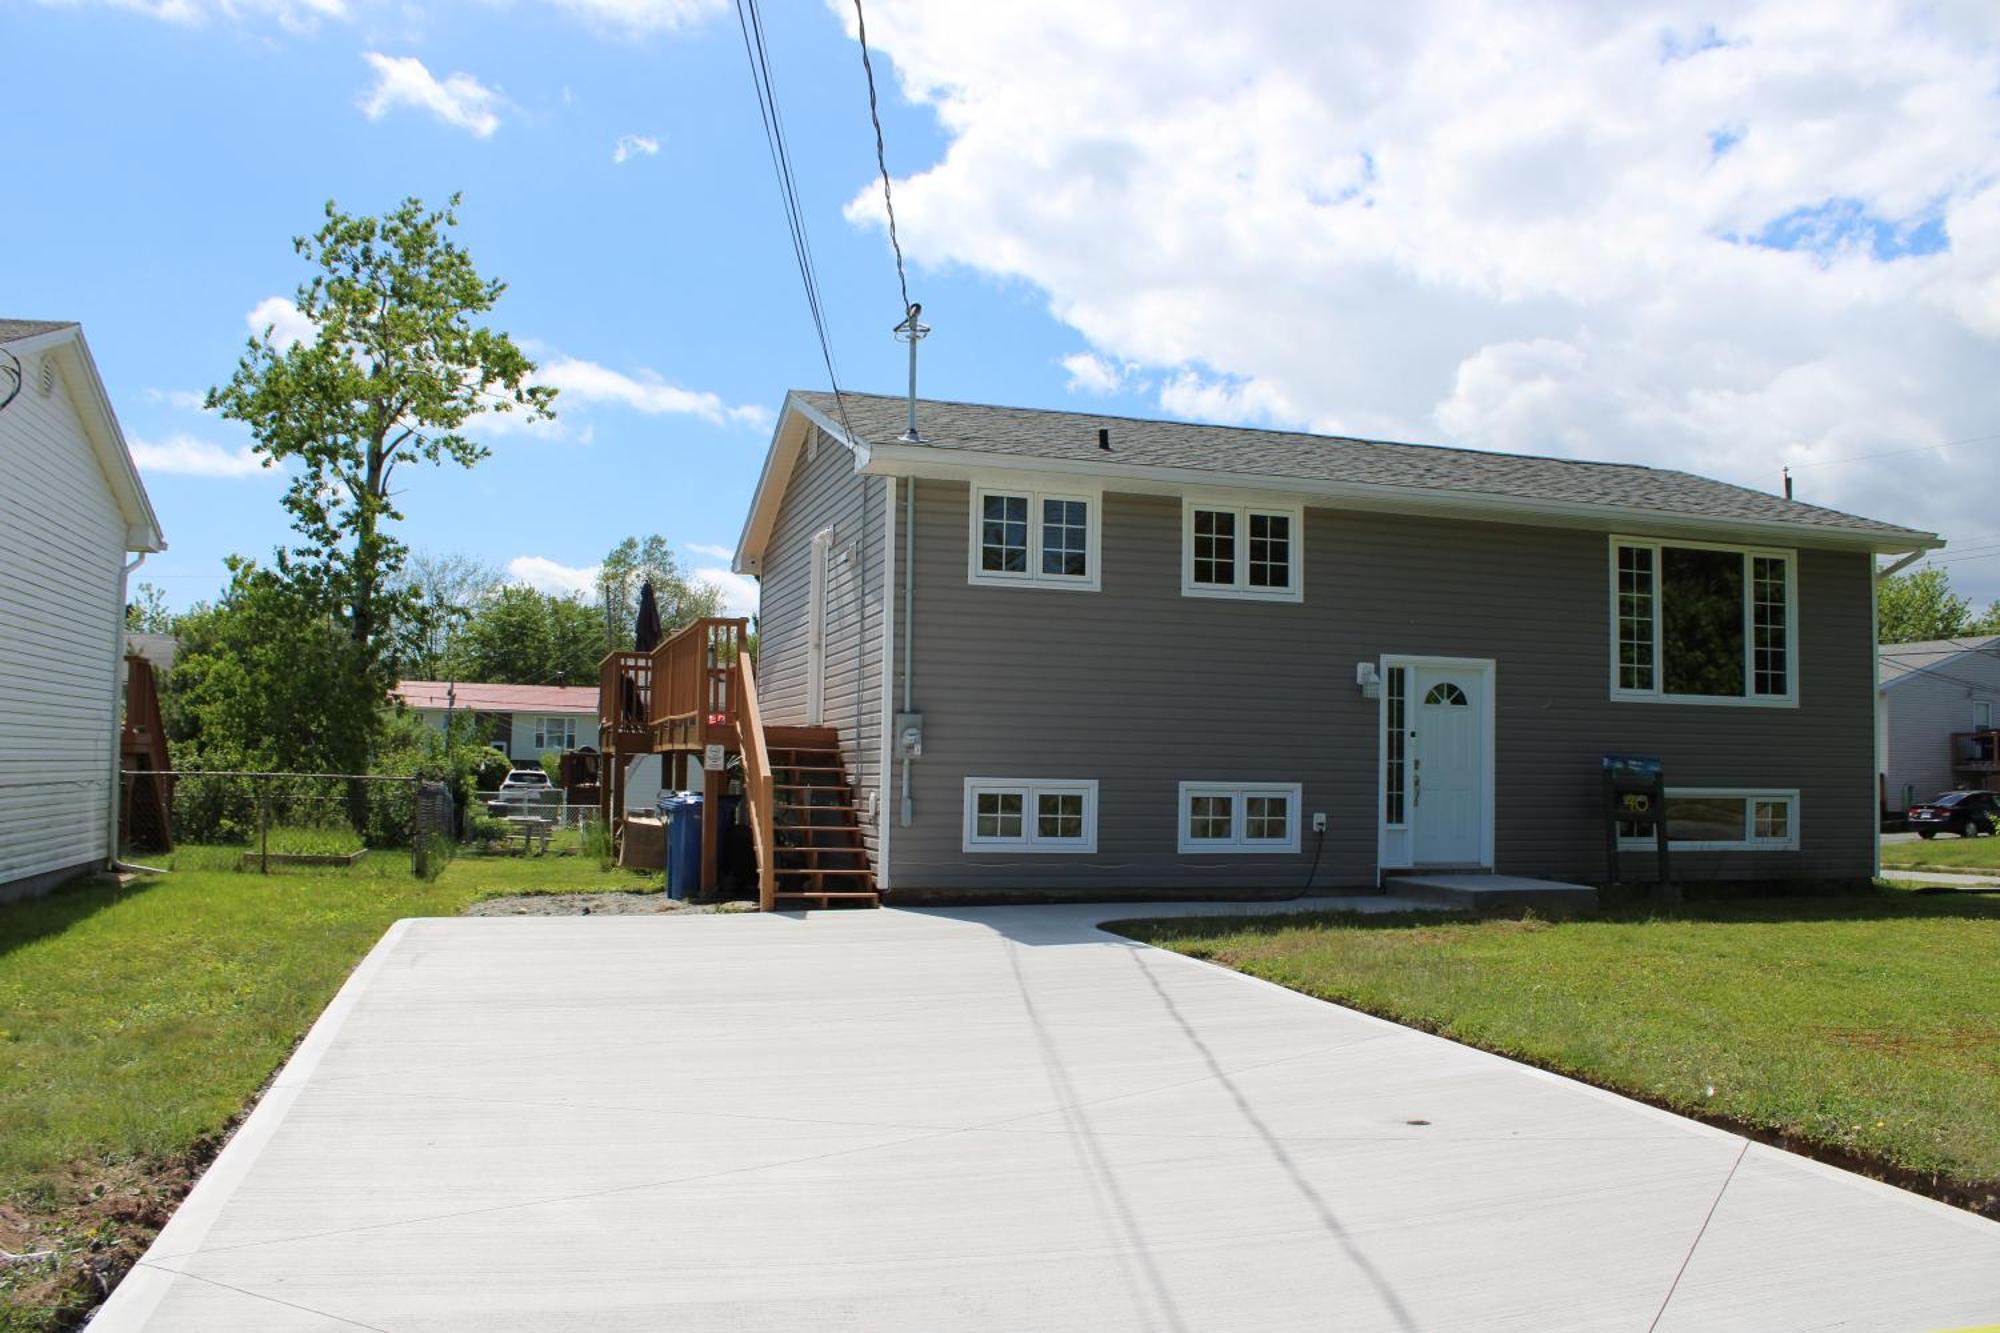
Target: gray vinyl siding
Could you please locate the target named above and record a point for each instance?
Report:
(826, 492)
(1922, 710)
(1142, 688)
(62, 542)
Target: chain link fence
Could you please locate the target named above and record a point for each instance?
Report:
(272, 822)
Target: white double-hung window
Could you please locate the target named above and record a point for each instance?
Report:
(1246, 550)
(1693, 622)
(1022, 536)
(1030, 815)
(1239, 816)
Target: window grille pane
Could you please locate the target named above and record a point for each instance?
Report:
(1059, 815)
(998, 814)
(1393, 741)
(1270, 551)
(1212, 817)
(1215, 547)
(1003, 540)
(1704, 818)
(1065, 537)
(1774, 821)
(1701, 621)
(1635, 618)
(1770, 666)
(1266, 818)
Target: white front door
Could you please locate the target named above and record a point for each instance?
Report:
(1448, 765)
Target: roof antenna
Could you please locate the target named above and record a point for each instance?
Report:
(912, 331)
(1788, 482)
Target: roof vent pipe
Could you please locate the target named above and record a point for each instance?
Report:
(913, 331)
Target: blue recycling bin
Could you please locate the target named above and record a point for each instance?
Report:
(683, 814)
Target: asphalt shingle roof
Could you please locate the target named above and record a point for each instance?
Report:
(1292, 455)
(1901, 659)
(13, 330)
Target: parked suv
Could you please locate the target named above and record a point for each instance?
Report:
(524, 788)
(1966, 813)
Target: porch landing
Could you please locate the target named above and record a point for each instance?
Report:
(1487, 892)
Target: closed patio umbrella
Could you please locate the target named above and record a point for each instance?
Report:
(646, 633)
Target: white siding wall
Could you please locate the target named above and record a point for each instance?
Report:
(1921, 711)
(62, 546)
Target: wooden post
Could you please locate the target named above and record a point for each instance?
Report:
(712, 784)
(263, 830)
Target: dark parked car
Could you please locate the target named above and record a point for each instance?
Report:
(1966, 813)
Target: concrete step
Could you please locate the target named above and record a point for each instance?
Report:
(1481, 892)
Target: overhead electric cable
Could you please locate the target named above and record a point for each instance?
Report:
(881, 155)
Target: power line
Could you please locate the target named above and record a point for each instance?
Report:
(751, 22)
(1896, 453)
(881, 155)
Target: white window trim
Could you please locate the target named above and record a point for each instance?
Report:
(1790, 699)
(568, 725)
(1242, 507)
(1982, 706)
(1238, 845)
(1031, 790)
(1750, 842)
(1093, 502)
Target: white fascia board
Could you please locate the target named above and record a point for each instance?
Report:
(922, 461)
(795, 419)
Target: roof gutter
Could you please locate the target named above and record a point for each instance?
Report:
(903, 459)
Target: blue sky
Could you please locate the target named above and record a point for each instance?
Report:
(164, 210)
(1729, 241)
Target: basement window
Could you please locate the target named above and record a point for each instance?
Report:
(1723, 819)
(1239, 817)
(1030, 815)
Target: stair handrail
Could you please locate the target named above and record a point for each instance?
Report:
(759, 794)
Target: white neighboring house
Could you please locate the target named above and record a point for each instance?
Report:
(1930, 693)
(526, 721)
(71, 509)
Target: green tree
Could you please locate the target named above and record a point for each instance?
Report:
(632, 564)
(397, 364)
(521, 636)
(1920, 605)
(268, 678)
(441, 593)
(147, 612)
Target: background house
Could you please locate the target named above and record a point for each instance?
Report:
(1933, 695)
(71, 509)
(524, 721)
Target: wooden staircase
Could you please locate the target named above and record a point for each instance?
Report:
(820, 858)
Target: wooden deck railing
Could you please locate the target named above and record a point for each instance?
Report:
(759, 794)
(625, 691)
(695, 686)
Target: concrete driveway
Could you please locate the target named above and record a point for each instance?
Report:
(999, 1119)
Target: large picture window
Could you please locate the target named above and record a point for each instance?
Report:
(1720, 819)
(1692, 622)
(1241, 550)
(1028, 537)
(1030, 815)
(555, 733)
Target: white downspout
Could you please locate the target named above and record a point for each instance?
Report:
(909, 618)
(117, 693)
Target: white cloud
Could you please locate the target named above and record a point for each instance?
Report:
(539, 572)
(579, 381)
(630, 145)
(287, 325)
(1550, 228)
(636, 17)
(739, 594)
(1090, 373)
(186, 456)
(712, 552)
(459, 99)
(185, 400)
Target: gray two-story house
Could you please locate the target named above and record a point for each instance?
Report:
(1076, 654)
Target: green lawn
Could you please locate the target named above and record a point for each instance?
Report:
(136, 1022)
(1867, 1024)
(1944, 853)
